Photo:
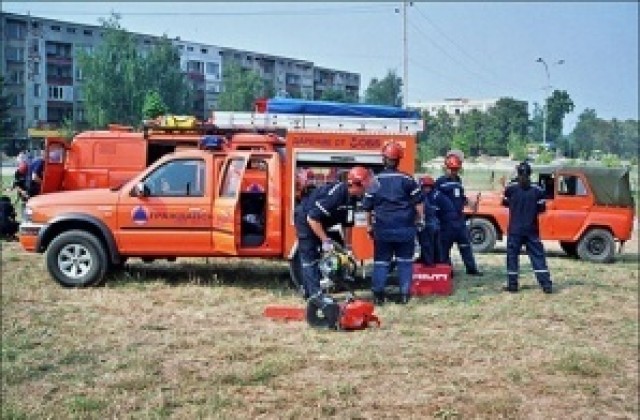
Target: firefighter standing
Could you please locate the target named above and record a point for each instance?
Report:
(436, 207)
(456, 231)
(525, 202)
(327, 206)
(394, 211)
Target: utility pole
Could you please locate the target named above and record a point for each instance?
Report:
(405, 79)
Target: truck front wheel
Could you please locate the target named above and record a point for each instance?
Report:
(76, 259)
(597, 245)
(482, 235)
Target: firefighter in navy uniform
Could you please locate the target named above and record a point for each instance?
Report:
(394, 213)
(437, 207)
(456, 231)
(525, 202)
(325, 207)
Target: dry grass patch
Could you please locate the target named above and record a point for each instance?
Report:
(188, 340)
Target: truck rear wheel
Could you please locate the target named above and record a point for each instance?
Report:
(482, 235)
(570, 248)
(597, 245)
(76, 259)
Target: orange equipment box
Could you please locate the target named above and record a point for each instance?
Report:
(433, 280)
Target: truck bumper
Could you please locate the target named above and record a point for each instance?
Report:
(28, 235)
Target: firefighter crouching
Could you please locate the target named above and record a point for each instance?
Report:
(436, 207)
(456, 231)
(525, 202)
(394, 212)
(324, 207)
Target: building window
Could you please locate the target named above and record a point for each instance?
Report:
(36, 113)
(79, 76)
(189, 48)
(14, 53)
(204, 50)
(195, 67)
(213, 69)
(15, 29)
(35, 24)
(55, 28)
(71, 30)
(181, 47)
(55, 92)
(36, 90)
(87, 32)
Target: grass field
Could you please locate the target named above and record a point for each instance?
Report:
(188, 341)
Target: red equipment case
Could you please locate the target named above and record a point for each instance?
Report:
(431, 280)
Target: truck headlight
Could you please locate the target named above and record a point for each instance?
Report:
(28, 214)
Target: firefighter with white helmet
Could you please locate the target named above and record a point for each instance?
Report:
(450, 185)
(525, 202)
(395, 213)
(326, 206)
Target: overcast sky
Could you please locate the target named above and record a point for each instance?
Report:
(472, 50)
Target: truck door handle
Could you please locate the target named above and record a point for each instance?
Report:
(193, 209)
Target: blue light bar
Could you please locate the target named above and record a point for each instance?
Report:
(212, 142)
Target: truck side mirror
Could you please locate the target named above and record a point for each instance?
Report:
(140, 190)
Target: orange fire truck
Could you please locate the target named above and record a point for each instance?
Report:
(233, 196)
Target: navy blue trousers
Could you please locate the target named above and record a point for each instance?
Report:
(458, 234)
(382, 255)
(430, 245)
(535, 250)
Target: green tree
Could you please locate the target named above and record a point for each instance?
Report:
(508, 116)
(517, 146)
(7, 124)
(153, 105)
(470, 127)
(387, 91)
(583, 137)
(534, 132)
(438, 134)
(558, 106)
(336, 95)
(118, 77)
(241, 87)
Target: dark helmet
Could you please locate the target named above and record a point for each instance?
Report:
(358, 175)
(393, 151)
(427, 181)
(523, 169)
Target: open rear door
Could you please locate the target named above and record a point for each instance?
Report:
(225, 229)
(54, 158)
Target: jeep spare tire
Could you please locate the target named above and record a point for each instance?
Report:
(76, 259)
(482, 235)
(597, 245)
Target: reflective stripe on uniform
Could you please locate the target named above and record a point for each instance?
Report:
(404, 260)
(381, 262)
(540, 271)
(332, 190)
(310, 264)
(512, 273)
(322, 209)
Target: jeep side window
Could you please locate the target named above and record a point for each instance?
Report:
(178, 178)
(571, 185)
(546, 183)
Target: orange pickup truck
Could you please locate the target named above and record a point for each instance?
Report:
(236, 200)
(588, 209)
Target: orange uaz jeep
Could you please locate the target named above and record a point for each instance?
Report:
(587, 210)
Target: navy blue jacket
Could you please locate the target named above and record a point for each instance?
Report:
(453, 189)
(329, 204)
(393, 199)
(35, 167)
(525, 203)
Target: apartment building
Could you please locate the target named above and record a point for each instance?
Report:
(454, 106)
(38, 60)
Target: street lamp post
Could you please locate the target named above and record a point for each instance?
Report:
(545, 111)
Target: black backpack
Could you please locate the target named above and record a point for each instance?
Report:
(8, 223)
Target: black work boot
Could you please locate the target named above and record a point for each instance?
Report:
(475, 272)
(510, 289)
(378, 298)
(547, 289)
(404, 299)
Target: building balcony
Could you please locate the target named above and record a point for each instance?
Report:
(199, 77)
(60, 80)
(59, 59)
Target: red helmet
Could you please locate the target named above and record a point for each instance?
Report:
(453, 162)
(22, 167)
(392, 150)
(305, 178)
(358, 175)
(427, 181)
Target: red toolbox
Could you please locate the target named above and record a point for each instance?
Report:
(431, 280)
